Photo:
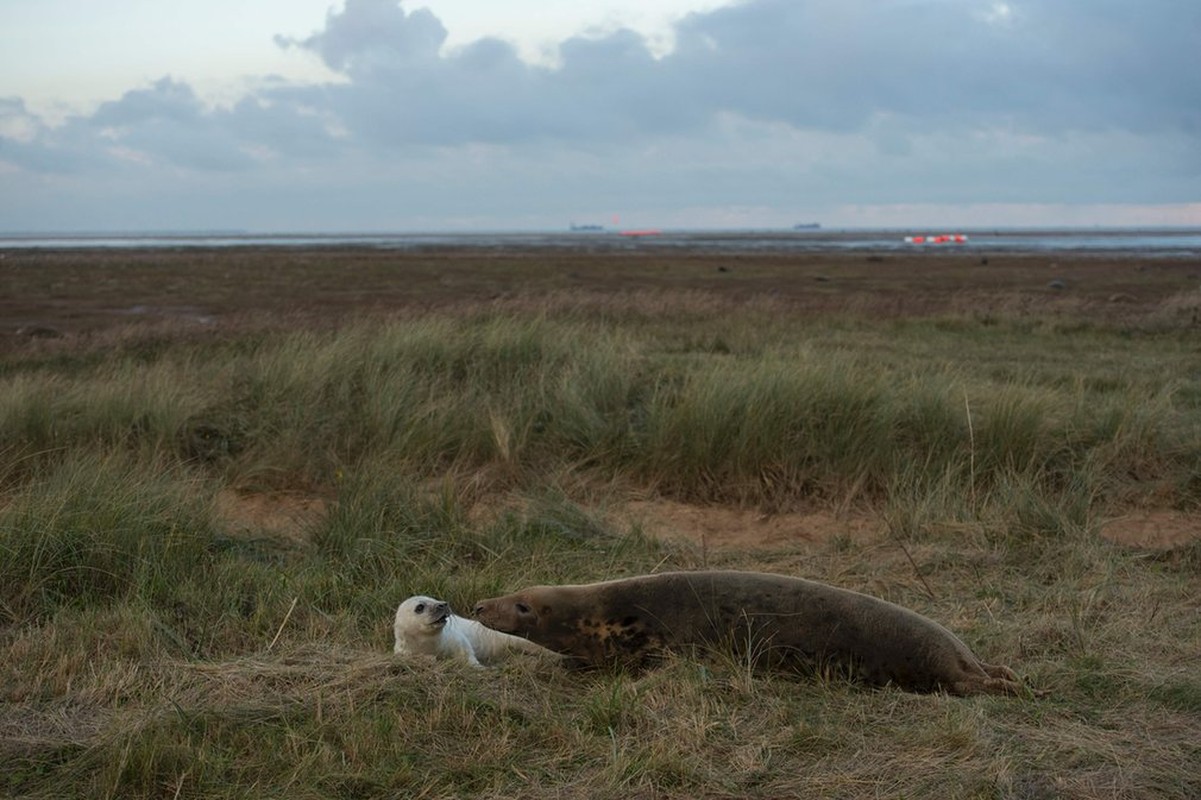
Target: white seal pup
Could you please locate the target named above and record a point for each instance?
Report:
(426, 626)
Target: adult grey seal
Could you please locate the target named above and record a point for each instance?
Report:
(775, 620)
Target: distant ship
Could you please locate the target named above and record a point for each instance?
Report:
(586, 228)
(807, 226)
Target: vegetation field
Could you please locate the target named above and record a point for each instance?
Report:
(220, 472)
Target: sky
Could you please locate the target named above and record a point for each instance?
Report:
(447, 115)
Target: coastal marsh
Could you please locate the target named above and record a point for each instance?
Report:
(163, 634)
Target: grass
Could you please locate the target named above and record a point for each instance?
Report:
(150, 648)
(528, 396)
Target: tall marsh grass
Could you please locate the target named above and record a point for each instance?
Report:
(527, 397)
(97, 530)
(149, 649)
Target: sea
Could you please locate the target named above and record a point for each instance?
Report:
(1144, 242)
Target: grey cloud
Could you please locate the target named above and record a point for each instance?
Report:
(16, 122)
(402, 91)
(166, 124)
(293, 130)
(1050, 66)
(761, 101)
(22, 140)
(372, 35)
(833, 65)
(166, 101)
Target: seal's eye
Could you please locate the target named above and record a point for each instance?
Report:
(420, 609)
(522, 608)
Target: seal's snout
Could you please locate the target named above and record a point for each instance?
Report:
(479, 609)
(439, 614)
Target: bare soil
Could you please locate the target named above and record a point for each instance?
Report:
(289, 519)
(716, 527)
(1153, 529)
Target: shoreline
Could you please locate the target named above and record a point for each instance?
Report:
(1148, 242)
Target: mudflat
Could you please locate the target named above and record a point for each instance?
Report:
(80, 290)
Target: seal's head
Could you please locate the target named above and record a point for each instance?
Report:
(419, 618)
(522, 613)
(574, 621)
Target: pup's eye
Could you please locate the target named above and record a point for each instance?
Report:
(420, 609)
(522, 608)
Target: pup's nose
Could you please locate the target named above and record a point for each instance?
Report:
(479, 609)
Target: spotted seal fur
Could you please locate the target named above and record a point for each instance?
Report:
(776, 620)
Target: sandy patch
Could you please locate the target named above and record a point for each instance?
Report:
(736, 528)
(280, 515)
(291, 516)
(1153, 530)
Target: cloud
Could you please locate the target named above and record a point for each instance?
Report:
(16, 123)
(167, 125)
(759, 102)
(372, 36)
(402, 90)
(837, 65)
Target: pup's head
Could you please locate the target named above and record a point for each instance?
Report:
(419, 617)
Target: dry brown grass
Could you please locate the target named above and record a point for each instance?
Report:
(320, 717)
(77, 291)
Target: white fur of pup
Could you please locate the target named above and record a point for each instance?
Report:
(426, 626)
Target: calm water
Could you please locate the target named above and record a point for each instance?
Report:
(1174, 242)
